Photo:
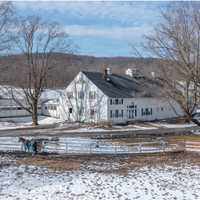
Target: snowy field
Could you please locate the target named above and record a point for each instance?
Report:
(24, 122)
(88, 183)
(21, 122)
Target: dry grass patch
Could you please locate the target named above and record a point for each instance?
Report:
(57, 164)
(193, 138)
(108, 164)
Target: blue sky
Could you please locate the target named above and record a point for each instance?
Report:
(100, 28)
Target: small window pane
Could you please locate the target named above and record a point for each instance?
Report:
(111, 114)
(70, 110)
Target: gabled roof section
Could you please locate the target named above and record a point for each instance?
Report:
(123, 86)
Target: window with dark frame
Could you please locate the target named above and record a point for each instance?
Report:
(111, 114)
(81, 95)
(145, 112)
(142, 112)
(92, 112)
(92, 95)
(116, 113)
(70, 110)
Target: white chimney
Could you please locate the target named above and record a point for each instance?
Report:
(129, 72)
(153, 75)
(132, 72)
(107, 72)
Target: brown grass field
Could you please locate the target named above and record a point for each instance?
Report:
(124, 162)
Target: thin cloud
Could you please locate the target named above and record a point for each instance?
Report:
(99, 27)
(124, 13)
(120, 33)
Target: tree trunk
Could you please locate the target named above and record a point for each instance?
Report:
(35, 114)
(189, 118)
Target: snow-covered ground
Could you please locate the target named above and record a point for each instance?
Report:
(21, 122)
(167, 125)
(145, 183)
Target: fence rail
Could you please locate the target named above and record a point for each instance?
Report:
(192, 146)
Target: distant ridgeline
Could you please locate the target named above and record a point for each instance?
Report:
(66, 66)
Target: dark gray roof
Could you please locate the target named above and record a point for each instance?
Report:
(123, 86)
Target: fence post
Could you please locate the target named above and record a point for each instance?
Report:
(140, 148)
(66, 148)
(22, 147)
(162, 146)
(184, 145)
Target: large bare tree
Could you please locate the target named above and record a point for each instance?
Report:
(6, 20)
(177, 40)
(37, 41)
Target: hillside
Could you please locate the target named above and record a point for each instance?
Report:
(66, 66)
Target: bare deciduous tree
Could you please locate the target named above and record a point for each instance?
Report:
(6, 19)
(177, 40)
(38, 41)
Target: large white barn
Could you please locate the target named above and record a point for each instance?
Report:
(107, 97)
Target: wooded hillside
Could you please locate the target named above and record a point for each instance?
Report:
(66, 66)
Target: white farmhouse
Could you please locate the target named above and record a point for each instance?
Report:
(107, 97)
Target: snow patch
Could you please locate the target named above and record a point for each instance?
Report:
(25, 122)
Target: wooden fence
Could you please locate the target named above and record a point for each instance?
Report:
(64, 147)
(192, 146)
